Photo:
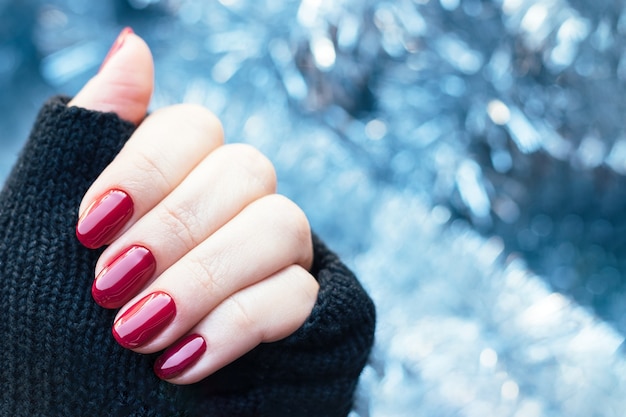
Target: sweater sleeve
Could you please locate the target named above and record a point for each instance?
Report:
(57, 352)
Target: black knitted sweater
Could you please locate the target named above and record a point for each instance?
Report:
(57, 354)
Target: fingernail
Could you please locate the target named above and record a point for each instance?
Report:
(104, 218)
(179, 357)
(144, 320)
(119, 281)
(117, 45)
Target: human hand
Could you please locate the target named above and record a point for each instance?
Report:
(203, 258)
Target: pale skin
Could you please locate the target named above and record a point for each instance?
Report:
(234, 255)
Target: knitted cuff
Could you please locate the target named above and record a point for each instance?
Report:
(68, 148)
(57, 353)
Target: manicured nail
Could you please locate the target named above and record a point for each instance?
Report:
(117, 45)
(179, 357)
(104, 218)
(144, 320)
(119, 281)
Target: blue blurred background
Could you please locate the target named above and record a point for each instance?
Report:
(465, 157)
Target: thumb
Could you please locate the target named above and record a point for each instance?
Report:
(125, 81)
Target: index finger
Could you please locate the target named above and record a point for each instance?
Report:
(157, 157)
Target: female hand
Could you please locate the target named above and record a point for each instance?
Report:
(204, 259)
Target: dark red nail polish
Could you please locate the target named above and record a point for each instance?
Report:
(179, 357)
(104, 218)
(123, 278)
(144, 320)
(117, 45)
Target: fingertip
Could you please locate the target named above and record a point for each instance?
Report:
(180, 357)
(125, 81)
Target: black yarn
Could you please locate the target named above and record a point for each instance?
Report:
(57, 355)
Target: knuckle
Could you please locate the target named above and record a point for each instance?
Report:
(181, 220)
(306, 287)
(150, 165)
(292, 220)
(242, 318)
(199, 119)
(207, 272)
(256, 165)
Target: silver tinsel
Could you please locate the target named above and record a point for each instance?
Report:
(465, 157)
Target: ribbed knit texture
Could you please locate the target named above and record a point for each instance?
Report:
(57, 355)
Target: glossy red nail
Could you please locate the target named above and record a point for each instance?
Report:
(117, 45)
(120, 281)
(104, 218)
(144, 320)
(179, 357)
